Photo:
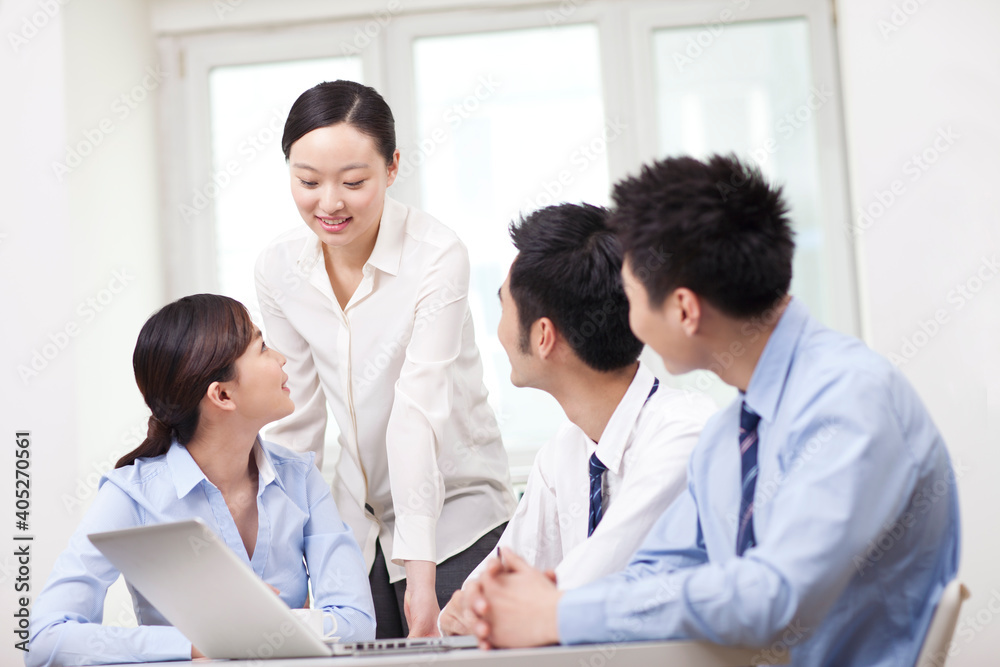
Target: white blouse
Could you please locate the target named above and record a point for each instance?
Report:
(401, 371)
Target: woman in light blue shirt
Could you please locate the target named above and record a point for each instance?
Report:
(211, 384)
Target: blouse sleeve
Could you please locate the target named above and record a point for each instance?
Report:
(304, 430)
(336, 567)
(423, 403)
(66, 617)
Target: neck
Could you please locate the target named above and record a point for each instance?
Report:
(740, 344)
(590, 397)
(353, 255)
(224, 454)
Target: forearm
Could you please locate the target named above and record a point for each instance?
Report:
(74, 643)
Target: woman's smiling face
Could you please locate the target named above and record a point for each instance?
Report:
(338, 181)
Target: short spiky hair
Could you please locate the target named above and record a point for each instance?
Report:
(568, 269)
(716, 227)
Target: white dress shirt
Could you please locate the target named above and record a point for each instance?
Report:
(645, 447)
(401, 371)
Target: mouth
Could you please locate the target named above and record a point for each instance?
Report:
(334, 224)
(283, 385)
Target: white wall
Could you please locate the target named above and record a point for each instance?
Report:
(81, 267)
(939, 72)
(36, 280)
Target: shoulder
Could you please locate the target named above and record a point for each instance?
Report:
(426, 236)
(566, 444)
(829, 365)
(144, 471)
(284, 250)
(286, 459)
(675, 411)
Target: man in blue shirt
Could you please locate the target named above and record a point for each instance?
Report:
(821, 516)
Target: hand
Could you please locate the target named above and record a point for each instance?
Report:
(420, 600)
(516, 605)
(456, 617)
(195, 653)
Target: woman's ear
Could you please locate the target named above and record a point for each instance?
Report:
(218, 397)
(393, 168)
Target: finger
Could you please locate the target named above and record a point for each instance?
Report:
(276, 591)
(513, 562)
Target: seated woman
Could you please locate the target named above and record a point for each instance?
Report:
(211, 384)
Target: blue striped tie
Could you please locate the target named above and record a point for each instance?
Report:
(597, 470)
(748, 466)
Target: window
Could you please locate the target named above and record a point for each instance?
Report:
(501, 111)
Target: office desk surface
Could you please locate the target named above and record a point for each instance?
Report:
(631, 654)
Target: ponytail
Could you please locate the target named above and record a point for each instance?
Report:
(159, 437)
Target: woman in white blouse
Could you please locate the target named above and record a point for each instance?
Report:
(369, 303)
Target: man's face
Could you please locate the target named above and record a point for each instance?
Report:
(509, 334)
(659, 328)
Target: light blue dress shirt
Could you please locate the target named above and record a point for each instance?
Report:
(296, 518)
(855, 514)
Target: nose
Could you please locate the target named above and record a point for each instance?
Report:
(331, 201)
(281, 358)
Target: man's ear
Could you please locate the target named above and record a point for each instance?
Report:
(688, 309)
(543, 337)
(218, 396)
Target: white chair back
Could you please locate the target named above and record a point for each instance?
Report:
(935, 649)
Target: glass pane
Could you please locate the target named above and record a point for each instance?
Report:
(517, 124)
(249, 104)
(749, 90)
(253, 204)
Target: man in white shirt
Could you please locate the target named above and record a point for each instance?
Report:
(602, 481)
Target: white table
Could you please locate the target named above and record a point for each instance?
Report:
(628, 654)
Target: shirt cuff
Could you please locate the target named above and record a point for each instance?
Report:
(165, 642)
(582, 615)
(414, 538)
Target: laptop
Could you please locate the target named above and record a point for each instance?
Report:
(220, 604)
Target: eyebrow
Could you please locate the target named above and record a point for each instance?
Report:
(353, 165)
(256, 334)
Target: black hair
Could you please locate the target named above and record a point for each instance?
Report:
(568, 269)
(717, 228)
(333, 102)
(182, 349)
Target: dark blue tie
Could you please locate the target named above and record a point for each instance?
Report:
(597, 470)
(748, 466)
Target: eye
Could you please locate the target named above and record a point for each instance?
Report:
(307, 184)
(263, 346)
(355, 184)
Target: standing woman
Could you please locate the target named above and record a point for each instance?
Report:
(369, 303)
